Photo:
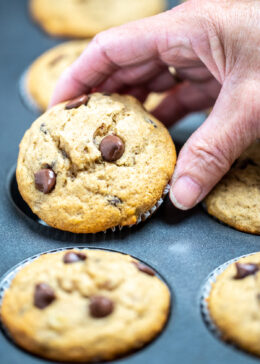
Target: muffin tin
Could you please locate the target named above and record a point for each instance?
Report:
(184, 247)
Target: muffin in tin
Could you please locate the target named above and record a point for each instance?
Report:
(236, 198)
(94, 163)
(234, 301)
(84, 305)
(86, 18)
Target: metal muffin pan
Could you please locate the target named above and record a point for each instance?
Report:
(184, 247)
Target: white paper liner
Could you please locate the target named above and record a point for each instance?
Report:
(204, 295)
(26, 97)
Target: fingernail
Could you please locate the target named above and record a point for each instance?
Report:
(185, 193)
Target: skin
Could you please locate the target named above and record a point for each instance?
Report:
(215, 48)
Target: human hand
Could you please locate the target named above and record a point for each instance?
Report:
(215, 49)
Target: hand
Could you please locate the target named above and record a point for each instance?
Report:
(215, 48)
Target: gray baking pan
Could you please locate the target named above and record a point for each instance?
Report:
(184, 247)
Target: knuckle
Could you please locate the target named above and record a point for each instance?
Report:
(99, 39)
(104, 43)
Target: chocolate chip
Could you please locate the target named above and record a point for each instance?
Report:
(73, 257)
(45, 180)
(112, 148)
(144, 268)
(106, 93)
(149, 121)
(100, 306)
(114, 201)
(77, 102)
(43, 295)
(244, 270)
(43, 129)
(244, 163)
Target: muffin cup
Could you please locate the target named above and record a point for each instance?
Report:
(204, 296)
(25, 95)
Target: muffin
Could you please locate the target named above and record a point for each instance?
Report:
(86, 18)
(234, 303)
(236, 198)
(44, 73)
(84, 305)
(94, 163)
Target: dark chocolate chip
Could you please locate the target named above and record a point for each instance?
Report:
(100, 306)
(43, 128)
(244, 270)
(112, 148)
(77, 102)
(45, 180)
(114, 201)
(73, 257)
(149, 121)
(246, 162)
(56, 60)
(43, 295)
(106, 93)
(144, 268)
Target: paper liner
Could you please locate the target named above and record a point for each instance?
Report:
(205, 293)
(25, 95)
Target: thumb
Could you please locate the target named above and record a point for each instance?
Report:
(208, 154)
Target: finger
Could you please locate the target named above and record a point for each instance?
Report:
(153, 79)
(194, 74)
(186, 98)
(134, 75)
(162, 82)
(164, 36)
(211, 150)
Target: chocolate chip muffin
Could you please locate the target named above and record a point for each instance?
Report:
(84, 305)
(234, 303)
(40, 80)
(236, 198)
(94, 163)
(86, 18)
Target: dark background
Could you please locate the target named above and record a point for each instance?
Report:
(183, 247)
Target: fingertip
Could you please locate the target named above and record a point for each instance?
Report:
(185, 193)
(67, 88)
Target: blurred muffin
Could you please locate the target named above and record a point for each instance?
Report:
(86, 18)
